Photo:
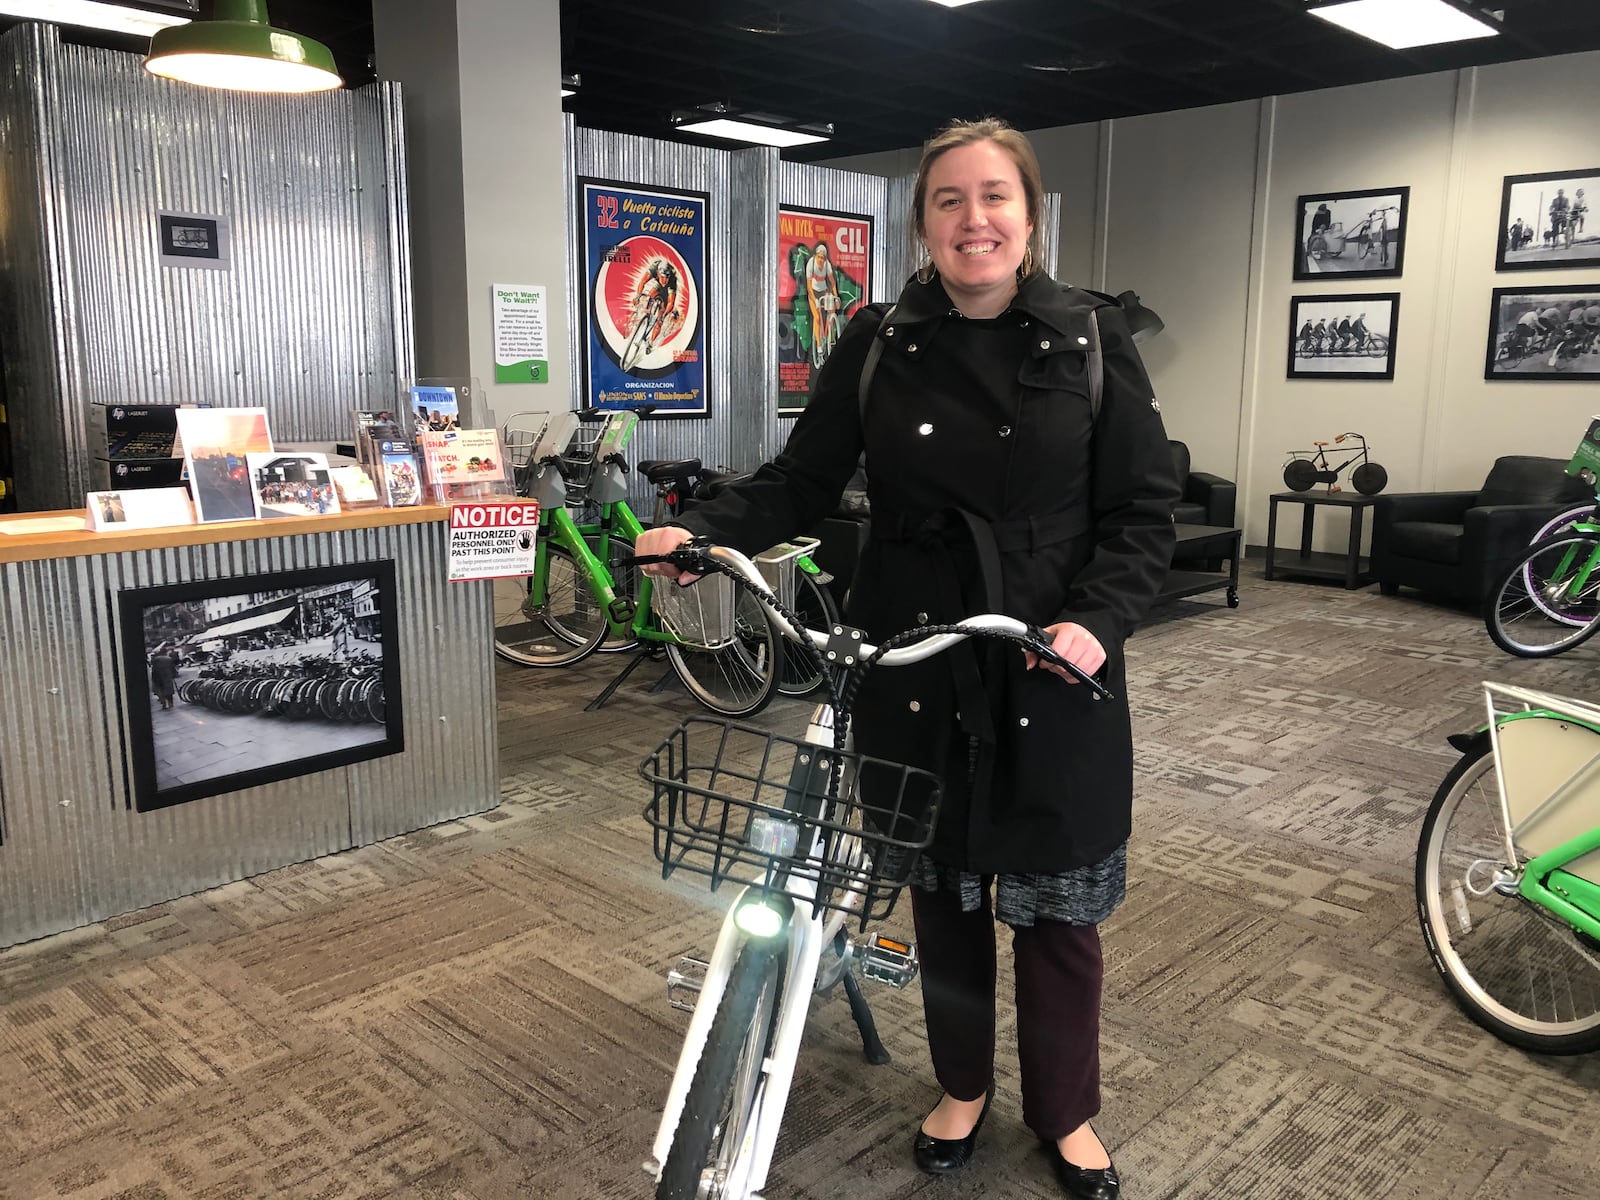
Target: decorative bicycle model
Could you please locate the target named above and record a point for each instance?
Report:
(1508, 872)
(1301, 474)
(820, 836)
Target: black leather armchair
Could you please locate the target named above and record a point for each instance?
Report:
(1207, 499)
(1459, 544)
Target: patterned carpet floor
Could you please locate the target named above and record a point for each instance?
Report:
(477, 1011)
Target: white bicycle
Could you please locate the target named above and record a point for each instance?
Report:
(820, 836)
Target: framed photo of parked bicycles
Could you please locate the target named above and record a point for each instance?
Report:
(234, 683)
(1351, 235)
(1544, 221)
(1550, 332)
(1343, 337)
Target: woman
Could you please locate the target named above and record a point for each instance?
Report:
(984, 446)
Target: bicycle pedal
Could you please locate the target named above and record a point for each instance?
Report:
(887, 960)
(686, 980)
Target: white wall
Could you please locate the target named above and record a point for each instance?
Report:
(1196, 211)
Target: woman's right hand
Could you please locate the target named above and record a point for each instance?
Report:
(664, 539)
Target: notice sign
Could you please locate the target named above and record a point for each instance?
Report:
(521, 343)
(494, 539)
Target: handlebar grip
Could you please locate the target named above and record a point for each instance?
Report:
(616, 457)
(1039, 643)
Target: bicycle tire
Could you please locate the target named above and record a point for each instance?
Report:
(1299, 474)
(1487, 948)
(727, 1080)
(625, 581)
(1587, 512)
(631, 352)
(1369, 478)
(739, 679)
(1535, 612)
(529, 638)
(798, 674)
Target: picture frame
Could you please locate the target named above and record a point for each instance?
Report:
(1546, 347)
(1351, 235)
(217, 443)
(1529, 217)
(253, 679)
(1326, 350)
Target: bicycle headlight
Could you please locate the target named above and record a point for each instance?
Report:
(763, 916)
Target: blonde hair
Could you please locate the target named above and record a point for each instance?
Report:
(990, 129)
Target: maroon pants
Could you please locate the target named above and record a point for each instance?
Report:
(1059, 974)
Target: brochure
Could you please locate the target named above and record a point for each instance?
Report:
(401, 484)
(354, 485)
(464, 463)
(372, 426)
(434, 408)
(291, 485)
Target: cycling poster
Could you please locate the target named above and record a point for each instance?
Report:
(643, 297)
(1351, 235)
(824, 273)
(1343, 337)
(1546, 332)
(1545, 222)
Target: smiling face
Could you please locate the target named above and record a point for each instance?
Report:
(974, 222)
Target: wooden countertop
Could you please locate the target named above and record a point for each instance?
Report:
(73, 543)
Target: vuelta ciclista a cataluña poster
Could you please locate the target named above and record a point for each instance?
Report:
(824, 261)
(644, 256)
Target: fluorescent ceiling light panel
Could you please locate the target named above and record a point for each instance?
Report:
(746, 131)
(114, 17)
(954, 3)
(1401, 24)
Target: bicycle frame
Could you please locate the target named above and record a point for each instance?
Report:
(1543, 880)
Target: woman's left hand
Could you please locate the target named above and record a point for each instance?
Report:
(1075, 644)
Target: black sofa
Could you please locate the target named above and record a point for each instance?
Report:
(1207, 499)
(1458, 545)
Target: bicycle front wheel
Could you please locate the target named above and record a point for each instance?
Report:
(1369, 478)
(798, 674)
(728, 1080)
(1513, 968)
(1587, 513)
(567, 628)
(737, 679)
(1549, 601)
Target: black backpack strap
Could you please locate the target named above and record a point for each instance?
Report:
(874, 353)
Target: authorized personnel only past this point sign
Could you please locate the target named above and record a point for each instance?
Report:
(493, 539)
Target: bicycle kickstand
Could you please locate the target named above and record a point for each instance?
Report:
(871, 1044)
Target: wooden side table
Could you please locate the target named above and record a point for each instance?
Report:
(1349, 567)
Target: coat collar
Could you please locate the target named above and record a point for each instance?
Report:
(1064, 309)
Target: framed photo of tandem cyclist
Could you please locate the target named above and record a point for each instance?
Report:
(1347, 337)
(1550, 331)
(238, 682)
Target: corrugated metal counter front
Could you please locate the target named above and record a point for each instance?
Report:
(74, 850)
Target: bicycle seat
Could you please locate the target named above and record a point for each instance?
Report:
(665, 470)
(1319, 443)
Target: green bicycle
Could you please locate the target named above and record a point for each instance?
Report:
(582, 598)
(1508, 872)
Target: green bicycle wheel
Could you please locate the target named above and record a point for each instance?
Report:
(566, 629)
(1549, 601)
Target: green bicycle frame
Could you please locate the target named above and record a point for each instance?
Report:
(1543, 882)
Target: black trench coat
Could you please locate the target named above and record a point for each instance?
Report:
(1053, 785)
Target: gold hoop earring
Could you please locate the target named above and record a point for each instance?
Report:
(926, 270)
(1026, 268)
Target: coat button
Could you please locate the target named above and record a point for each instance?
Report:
(916, 706)
(1024, 322)
(924, 429)
(1023, 722)
(1005, 431)
(1045, 345)
(911, 349)
(922, 618)
(889, 332)
(1083, 341)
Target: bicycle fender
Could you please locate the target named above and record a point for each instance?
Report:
(1468, 742)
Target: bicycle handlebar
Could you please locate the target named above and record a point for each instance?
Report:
(700, 558)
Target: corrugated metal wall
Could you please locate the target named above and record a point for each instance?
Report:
(312, 317)
(74, 849)
(746, 187)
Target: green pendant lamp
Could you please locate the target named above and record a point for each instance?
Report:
(241, 51)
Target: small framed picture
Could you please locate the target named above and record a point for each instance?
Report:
(1544, 221)
(1343, 337)
(1353, 235)
(1545, 333)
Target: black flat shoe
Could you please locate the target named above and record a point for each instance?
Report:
(1085, 1183)
(938, 1156)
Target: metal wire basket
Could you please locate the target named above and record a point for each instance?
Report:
(733, 802)
(700, 615)
(578, 461)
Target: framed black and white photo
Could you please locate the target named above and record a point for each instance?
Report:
(1343, 337)
(233, 683)
(1544, 221)
(1353, 235)
(1550, 332)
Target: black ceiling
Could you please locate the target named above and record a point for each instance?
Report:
(886, 73)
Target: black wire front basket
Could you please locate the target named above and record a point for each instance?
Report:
(738, 803)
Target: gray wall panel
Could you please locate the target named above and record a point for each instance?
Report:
(302, 322)
(75, 851)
